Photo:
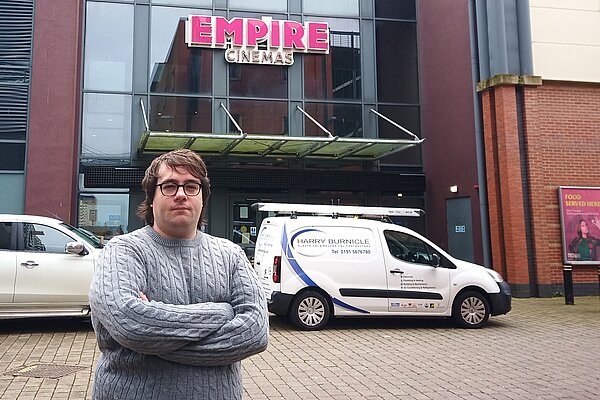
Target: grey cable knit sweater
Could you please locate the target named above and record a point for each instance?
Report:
(206, 312)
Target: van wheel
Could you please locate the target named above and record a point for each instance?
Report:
(471, 310)
(310, 311)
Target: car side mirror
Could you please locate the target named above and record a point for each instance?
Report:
(76, 248)
(435, 260)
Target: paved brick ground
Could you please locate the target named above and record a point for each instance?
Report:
(543, 349)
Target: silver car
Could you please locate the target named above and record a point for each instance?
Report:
(46, 267)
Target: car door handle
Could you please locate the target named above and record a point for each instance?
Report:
(396, 271)
(29, 264)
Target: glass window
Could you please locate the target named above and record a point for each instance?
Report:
(106, 126)
(262, 5)
(108, 47)
(180, 114)
(258, 80)
(12, 156)
(5, 235)
(409, 118)
(397, 66)
(14, 101)
(244, 224)
(104, 214)
(85, 235)
(398, 9)
(13, 200)
(332, 7)
(44, 238)
(408, 248)
(175, 67)
(344, 120)
(335, 75)
(261, 117)
(190, 3)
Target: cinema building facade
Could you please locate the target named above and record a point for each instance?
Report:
(354, 102)
(281, 98)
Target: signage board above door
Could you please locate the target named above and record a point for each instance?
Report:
(257, 41)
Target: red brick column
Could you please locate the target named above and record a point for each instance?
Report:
(505, 193)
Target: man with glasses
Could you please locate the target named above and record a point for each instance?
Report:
(175, 310)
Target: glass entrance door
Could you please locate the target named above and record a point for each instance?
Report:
(245, 221)
(245, 224)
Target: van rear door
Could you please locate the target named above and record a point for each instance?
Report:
(267, 248)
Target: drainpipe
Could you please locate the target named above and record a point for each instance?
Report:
(479, 146)
(526, 68)
(525, 47)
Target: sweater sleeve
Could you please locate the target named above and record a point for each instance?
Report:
(148, 327)
(244, 335)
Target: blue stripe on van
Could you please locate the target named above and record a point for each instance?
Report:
(340, 303)
(287, 251)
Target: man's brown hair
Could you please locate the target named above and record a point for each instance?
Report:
(182, 158)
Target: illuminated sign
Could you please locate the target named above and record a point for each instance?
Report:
(257, 41)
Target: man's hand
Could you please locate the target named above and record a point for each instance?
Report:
(143, 297)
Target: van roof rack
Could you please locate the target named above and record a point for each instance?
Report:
(333, 210)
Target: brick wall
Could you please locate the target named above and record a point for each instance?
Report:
(561, 147)
(562, 125)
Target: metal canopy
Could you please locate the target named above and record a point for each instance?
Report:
(252, 145)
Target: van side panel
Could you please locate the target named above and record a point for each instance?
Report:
(344, 260)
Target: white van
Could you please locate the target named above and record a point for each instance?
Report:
(316, 262)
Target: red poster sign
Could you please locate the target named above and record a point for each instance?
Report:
(580, 225)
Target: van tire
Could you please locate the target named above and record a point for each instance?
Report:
(470, 310)
(310, 311)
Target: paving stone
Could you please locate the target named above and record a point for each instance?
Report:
(543, 349)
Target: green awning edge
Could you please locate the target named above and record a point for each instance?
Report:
(251, 145)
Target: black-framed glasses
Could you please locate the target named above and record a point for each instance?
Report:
(189, 188)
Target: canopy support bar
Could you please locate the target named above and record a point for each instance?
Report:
(232, 119)
(144, 115)
(354, 150)
(314, 148)
(146, 133)
(272, 148)
(395, 124)
(315, 121)
(237, 141)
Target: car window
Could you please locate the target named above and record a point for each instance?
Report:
(38, 237)
(407, 248)
(86, 235)
(5, 235)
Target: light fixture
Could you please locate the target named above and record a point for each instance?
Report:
(399, 194)
(454, 188)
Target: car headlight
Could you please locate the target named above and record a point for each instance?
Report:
(495, 276)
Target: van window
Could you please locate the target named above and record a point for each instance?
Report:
(5, 235)
(408, 248)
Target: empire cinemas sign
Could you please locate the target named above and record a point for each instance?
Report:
(257, 41)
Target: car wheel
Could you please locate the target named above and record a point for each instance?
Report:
(310, 311)
(471, 310)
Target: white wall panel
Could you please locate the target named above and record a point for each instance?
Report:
(566, 39)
